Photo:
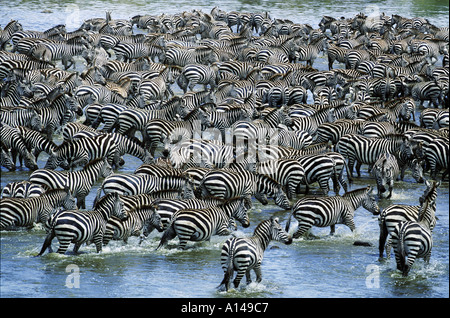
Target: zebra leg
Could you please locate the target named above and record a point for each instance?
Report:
(358, 168)
(63, 245)
(238, 278)
(382, 240)
(258, 273)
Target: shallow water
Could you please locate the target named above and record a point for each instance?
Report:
(330, 267)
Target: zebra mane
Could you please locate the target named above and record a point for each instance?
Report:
(104, 199)
(356, 191)
(153, 206)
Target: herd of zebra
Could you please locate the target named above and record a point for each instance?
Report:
(222, 108)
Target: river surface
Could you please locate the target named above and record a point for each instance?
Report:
(329, 267)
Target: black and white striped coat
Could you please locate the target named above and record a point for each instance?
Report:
(24, 212)
(79, 182)
(329, 211)
(136, 224)
(397, 213)
(413, 239)
(244, 254)
(80, 227)
(227, 184)
(201, 224)
(22, 189)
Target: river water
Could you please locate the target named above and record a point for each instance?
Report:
(330, 267)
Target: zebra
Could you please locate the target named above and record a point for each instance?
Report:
(79, 182)
(167, 207)
(35, 141)
(81, 150)
(227, 184)
(311, 51)
(21, 117)
(63, 51)
(429, 117)
(367, 150)
(412, 239)
(329, 211)
(199, 151)
(297, 139)
(6, 159)
(201, 224)
(80, 227)
(311, 124)
(332, 132)
(156, 130)
(24, 212)
(125, 145)
(246, 253)
(11, 139)
(385, 171)
(224, 120)
(54, 116)
(436, 154)
(198, 55)
(130, 184)
(287, 172)
(6, 34)
(130, 51)
(397, 213)
(137, 220)
(194, 74)
(132, 119)
(423, 91)
(22, 189)
(158, 88)
(317, 167)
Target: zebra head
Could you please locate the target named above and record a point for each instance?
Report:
(154, 221)
(188, 189)
(369, 202)
(277, 232)
(106, 169)
(417, 170)
(281, 199)
(384, 172)
(118, 208)
(261, 197)
(6, 160)
(69, 202)
(240, 214)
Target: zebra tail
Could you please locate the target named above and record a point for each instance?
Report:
(168, 234)
(97, 197)
(47, 241)
(225, 283)
(288, 223)
(401, 250)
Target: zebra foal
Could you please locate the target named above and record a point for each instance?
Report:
(244, 254)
